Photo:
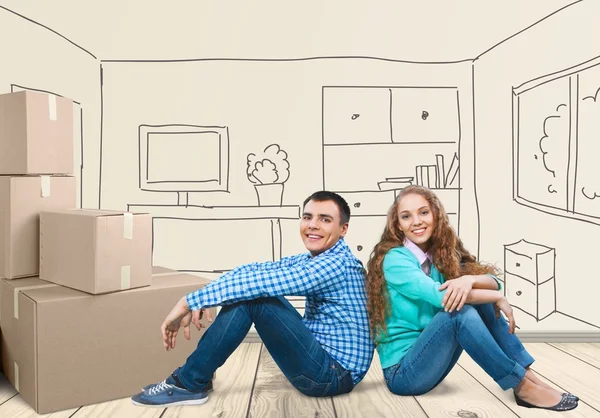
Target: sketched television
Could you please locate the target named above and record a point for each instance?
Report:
(183, 158)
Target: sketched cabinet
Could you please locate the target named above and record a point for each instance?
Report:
(530, 283)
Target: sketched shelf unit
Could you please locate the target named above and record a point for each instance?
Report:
(529, 280)
(183, 158)
(202, 229)
(555, 143)
(379, 139)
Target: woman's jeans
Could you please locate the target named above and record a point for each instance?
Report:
(475, 329)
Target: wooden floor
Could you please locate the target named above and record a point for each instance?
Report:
(250, 385)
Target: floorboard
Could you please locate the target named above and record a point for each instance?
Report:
(507, 397)
(461, 395)
(372, 399)
(232, 388)
(567, 372)
(275, 397)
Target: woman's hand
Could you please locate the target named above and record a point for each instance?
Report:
(505, 307)
(457, 293)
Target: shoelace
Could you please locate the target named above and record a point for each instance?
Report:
(159, 387)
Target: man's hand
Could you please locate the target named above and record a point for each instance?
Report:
(181, 315)
(505, 307)
(458, 291)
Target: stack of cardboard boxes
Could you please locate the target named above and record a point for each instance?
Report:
(80, 303)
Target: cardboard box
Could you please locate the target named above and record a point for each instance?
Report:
(22, 198)
(96, 251)
(62, 348)
(36, 133)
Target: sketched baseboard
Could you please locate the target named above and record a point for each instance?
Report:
(525, 336)
(559, 336)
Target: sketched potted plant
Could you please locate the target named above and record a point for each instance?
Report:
(268, 172)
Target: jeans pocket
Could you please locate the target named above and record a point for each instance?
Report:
(309, 387)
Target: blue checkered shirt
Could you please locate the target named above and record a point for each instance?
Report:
(333, 283)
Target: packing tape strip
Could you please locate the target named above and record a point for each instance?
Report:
(45, 186)
(52, 106)
(19, 289)
(16, 376)
(125, 277)
(128, 225)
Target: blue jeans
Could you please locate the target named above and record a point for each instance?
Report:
(475, 329)
(301, 358)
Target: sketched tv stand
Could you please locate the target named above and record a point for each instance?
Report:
(215, 237)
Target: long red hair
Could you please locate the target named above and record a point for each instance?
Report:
(450, 256)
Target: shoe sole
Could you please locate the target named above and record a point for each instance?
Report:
(180, 403)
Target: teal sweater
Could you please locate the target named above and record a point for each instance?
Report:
(414, 297)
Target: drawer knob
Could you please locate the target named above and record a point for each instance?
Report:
(424, 115)
(359, 247)
(357, 205)
(518, 264)
(519, 293)
(355, 116)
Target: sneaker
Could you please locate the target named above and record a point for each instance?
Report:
(169, 393)
(208, 388)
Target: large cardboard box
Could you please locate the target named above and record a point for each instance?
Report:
(36, 133)
(96, 251)
(62, 348)
(22, 198)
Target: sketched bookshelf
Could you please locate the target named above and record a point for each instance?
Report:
(379, 139)
(555, 143)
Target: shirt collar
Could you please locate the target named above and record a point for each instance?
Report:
(339, 246)
(419, 253)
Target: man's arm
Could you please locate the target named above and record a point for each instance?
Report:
(292, 276)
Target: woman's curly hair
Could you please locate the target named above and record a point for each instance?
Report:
(447, 250)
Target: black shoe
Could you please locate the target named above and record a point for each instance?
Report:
(570, 395)
(566, 404)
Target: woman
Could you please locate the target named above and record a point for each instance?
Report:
(429, 299)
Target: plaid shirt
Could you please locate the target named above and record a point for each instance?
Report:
(333, 283)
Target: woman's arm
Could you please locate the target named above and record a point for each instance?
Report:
(485, 281)
(481, 296)
(459, 289)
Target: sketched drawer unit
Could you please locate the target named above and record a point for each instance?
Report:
(356, 115)
(539, 301)
(363, 234)
(520, 293)
(425, 114)
(369, 203)
(533, 262)
(530, 284)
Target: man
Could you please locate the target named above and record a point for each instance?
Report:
(325, 353)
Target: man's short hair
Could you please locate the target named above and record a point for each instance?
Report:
(324, 195)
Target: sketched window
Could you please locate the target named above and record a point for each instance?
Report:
(556, 144)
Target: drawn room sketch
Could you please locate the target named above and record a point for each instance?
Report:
(221, 141)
